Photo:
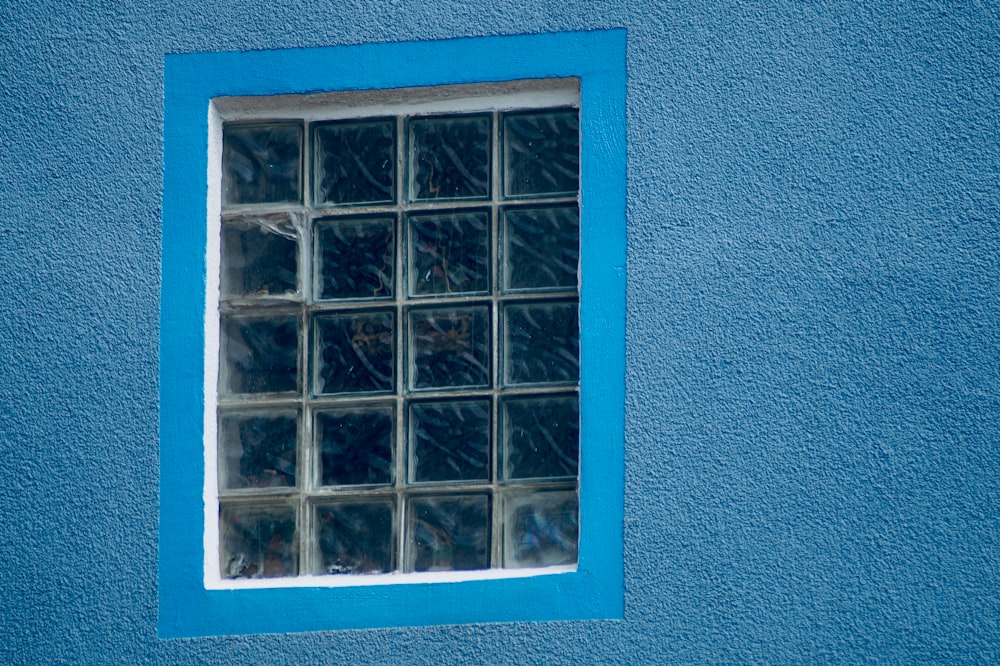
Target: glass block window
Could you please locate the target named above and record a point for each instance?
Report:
(399, 344)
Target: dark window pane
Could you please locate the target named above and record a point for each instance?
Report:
(257, 450)
(449, 348)
(541, 343)
(355, 445)
(449, 533)
(260, 163)
(541, 437)
(259, 257)
(355, 162)
(260, 355)
(541, 153)
(449, 441)
(449, 158)
(355, 538)
(355, 352)
(258, 542)
(541, 529)
(541, 248)
(355, 258)
(448, 254)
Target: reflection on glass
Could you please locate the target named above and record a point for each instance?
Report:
(541, 437)
(540, 529)
(448, 254)
(260, 163)
(260, 355)
(355, 352)
(257, 449)
(355, 445)
(541, 248)
(355, 537)
(449, 158)
(354, 162)
(355, 257)
(541, 153)
(449, 441)
(258, 541)
(541, 343)
(448, 533)
(449, 348)
(259, 257)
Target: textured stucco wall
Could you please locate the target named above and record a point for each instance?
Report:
(813, 383)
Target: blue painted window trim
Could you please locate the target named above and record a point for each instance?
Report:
(595, 590)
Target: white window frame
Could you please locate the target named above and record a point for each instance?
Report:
(520, 95)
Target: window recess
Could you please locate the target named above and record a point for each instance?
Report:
(398, 326)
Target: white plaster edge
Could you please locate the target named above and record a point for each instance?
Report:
(466, 98)
(396, 578)
(213, 261)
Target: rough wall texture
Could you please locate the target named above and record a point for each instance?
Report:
(813, 410)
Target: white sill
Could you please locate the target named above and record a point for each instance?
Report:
(361, 580)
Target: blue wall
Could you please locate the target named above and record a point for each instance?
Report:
(813, 338)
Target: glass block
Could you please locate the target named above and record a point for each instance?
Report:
(449, 441)
(541, 248)
(448, 254)
(261, 163)
(355, 162)
(355, 445)
(541, 343)
(449, 158)
(541, 529)
(541, 437)
(258, 541)
(541, 154)
(355, 352)
(257, 449)
(355, 537)
(448, 533)
(449, 348)
(260, 355)
(259, 257)
(355, 257)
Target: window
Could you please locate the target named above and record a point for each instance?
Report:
(349, 98)
(399, 336)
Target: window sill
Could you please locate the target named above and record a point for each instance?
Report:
(363, 580)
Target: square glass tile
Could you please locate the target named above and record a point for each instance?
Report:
(355, 162)
(355, 445)
(448, 533)
(355, 257)
(261, 164)
(541, 529)
(541, 343)
(257, 449)
(258, 541)
(449, 158)
(449, 441)
(355, 352)
(541, 248)
(449, 347)
(355, 537)
(260, 354)
(448, 253)
(541, 437)
(541, 153)
(259, 257)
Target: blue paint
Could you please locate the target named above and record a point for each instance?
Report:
(813, 346)
(595, 590)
